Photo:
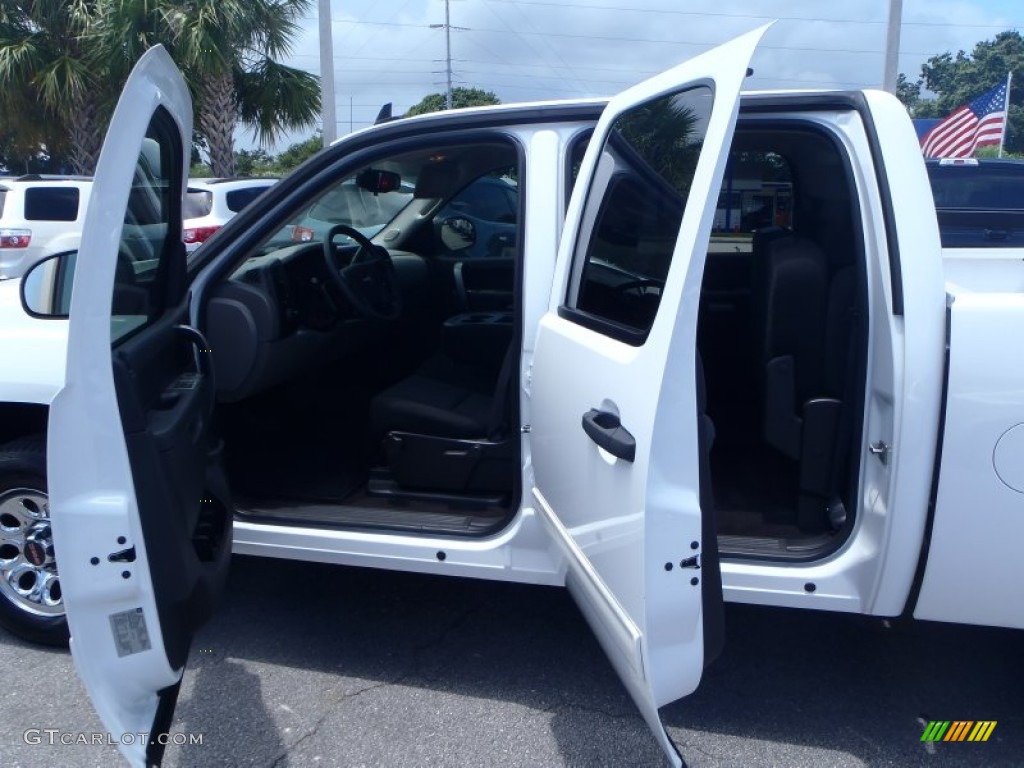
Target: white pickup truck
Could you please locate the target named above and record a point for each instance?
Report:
(618, 397)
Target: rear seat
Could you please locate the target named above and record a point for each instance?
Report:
(802, 316)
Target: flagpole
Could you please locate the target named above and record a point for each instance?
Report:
(1006, 124)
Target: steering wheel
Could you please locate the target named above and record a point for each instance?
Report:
(642, 287)
(368, 282)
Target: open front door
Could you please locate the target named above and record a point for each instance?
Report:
(617, 430)
(140, 520)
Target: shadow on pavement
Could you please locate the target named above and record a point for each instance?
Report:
(792, 679)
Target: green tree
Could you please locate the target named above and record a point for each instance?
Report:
(52, 76)
(27, 145)
(68, 59)
(229, 51)
(461, 97)
(298, 153)
(958, 79)
(662, 133)
(909, 93)
(253, 162)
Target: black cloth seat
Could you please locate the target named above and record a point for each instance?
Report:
(791, 296)
(443, 398)
(805, 301)
(445, 429)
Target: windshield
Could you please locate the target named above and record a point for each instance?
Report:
(356, 201)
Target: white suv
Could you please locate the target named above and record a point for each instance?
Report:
(39, 215)
(211, 202)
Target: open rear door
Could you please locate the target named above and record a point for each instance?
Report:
(616, 407)
(140, 520)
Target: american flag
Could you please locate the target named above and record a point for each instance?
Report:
(978, 124)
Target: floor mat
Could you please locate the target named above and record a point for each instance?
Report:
(307, 475)
(755, 490)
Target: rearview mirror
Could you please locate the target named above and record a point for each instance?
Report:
(46, 287)
(377, 182)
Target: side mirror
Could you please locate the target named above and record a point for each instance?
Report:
(46, 287)
(458, 233)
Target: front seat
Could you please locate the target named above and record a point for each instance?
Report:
(443, 398)
(447, 429)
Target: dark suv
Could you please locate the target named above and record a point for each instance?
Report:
(980, 203)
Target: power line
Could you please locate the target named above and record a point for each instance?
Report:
(718, 14)
(651, 41)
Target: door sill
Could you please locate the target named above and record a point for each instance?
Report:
(803, 549)
(379, 515)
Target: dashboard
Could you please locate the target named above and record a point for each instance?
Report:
(281, 314)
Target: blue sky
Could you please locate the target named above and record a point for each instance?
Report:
(386, 50)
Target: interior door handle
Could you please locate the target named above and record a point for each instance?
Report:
(605, 429)
(202, 348)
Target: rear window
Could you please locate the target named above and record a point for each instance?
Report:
(979, 205)
(237, 199)
(3, 199)
(978, 187)
(51, 203)
(198, 202)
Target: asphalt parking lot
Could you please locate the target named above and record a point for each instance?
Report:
(310, 665)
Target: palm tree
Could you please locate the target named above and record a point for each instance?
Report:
(229, 50)
(47, 58)
(69, 58)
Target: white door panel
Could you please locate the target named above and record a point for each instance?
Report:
(614, 406)
(128, 431)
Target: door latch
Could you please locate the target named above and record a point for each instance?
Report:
(124, 556)
(880, 449)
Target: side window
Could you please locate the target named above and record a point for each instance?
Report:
(51, 203)
(757, 193)
(482, 220)
(634, 209)
(486, 199)
(150, 251)
(237, 199)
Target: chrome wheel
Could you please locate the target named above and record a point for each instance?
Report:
(28, 570)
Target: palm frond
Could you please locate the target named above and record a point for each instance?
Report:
(64, 80)
(274, 98)
(21, 58)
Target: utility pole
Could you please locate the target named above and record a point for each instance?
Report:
(448, 50)
(327, 97)
(448, 53)
(892, 46)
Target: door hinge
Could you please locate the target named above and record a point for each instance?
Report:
(880, 449)
(525, 429)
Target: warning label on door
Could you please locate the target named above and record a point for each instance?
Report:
(130, 633)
